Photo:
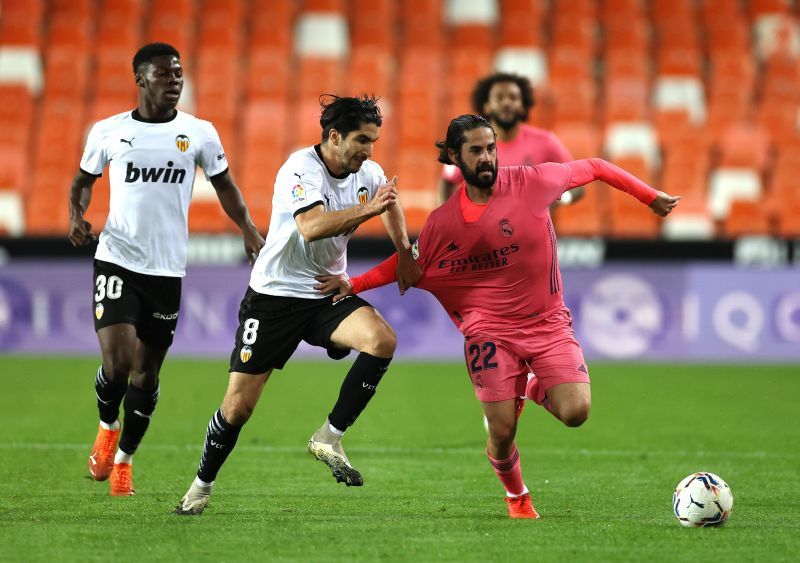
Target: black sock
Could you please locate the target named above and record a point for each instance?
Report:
(357, 389)
(221, 437)
(109, 396)
(139, 407)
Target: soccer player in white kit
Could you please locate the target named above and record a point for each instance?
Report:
(152, 153)
(322, 194)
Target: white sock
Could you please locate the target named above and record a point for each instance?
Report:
(112, 426)
(202, 483)
(122, 457)
(335, 430)
(524, 490)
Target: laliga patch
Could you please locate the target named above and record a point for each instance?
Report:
(298, 193)
(98, 311)
(182, 142)
(245, 354)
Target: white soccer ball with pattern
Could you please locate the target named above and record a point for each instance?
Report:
(702, 499)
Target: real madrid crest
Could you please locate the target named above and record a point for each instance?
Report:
(506, 228)
(245, 354)
(182, 142)
(98, 311)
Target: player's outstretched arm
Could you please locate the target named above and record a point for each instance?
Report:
(408, 271)
(80, 194)
(230, 197)
(342, 286)
(590, 169)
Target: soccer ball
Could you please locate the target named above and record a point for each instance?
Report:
(702, 499)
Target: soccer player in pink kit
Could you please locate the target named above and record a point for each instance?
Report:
(506, 100)
(489, 256)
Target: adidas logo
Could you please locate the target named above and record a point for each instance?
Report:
(583, 369)
(452, 246)
(165, 175)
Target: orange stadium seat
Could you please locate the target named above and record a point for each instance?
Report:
(744, 145)
(587, 218)
(316, 76)
(745, 218)
(789, 220)
(626, 215)
(268, 74)
(70, 31)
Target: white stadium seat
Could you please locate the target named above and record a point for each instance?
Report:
(461, 12)
(528, 62)
(728, 184)
(12, 218)
(633, 138)
(681, 93)
(21, 65)
(322, 34)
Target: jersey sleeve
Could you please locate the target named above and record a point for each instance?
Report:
(543, 184)
(95, 155)
(211, 156)
(299, 185)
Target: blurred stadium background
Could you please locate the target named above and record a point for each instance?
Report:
(698, 97)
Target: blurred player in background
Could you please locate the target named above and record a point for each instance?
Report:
(152, 153)
(506, 101)
(488, 255)
(322, 194)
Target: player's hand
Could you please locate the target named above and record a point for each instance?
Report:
(339, 286)
(80, 232)
(663, 204)
(408, 271)
(385, 197)
(253, 242)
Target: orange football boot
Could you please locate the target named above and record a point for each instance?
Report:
(521, 507)
(101, 460)
(122, 480)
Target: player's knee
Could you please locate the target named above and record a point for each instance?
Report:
(381, 341)
(575, 413)
(502, 433)
(238, 409)
(117, 369)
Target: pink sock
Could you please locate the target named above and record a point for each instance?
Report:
(509, 472)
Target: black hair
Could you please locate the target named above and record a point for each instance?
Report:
(347, 114)
(146, 54)
(456, 134)
(480, 95)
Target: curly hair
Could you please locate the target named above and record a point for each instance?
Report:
(480, 95)
(346, 114)
(456, 137)
(147, 52)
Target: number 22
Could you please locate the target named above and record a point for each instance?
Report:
(489, 349)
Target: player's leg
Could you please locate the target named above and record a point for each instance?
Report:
(223, 429)
(350, 324)
(269, 331)
(570, 402)
(498, 376)
(116, 310)
(139, 405)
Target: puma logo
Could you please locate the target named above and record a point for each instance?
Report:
(127, 141)
(299, 176)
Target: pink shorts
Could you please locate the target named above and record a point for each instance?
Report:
(498, 364)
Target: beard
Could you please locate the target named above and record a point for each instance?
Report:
(503, 123)
(473, 178)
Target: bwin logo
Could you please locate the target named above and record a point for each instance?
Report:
(165, 175)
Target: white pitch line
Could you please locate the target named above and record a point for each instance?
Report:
(428, 451)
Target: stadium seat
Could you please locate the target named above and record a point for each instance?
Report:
(21, 65)
(776, 33)
(12, 217)
(691, 220)
(744, 145)
(789, 221)
(586, 219)
(626, 215)
(321, 35)
(745, 218)
(530, 62)
(681, 93)
(728, 184)
(627, 139)
(464, 12)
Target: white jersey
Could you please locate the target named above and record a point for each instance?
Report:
(287, 264)
(151, 171)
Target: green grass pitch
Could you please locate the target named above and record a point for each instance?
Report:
(603, 490)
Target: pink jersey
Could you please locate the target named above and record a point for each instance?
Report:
(531, 146)
(502, 270)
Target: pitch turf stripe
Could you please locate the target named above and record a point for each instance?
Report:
(432, 451)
